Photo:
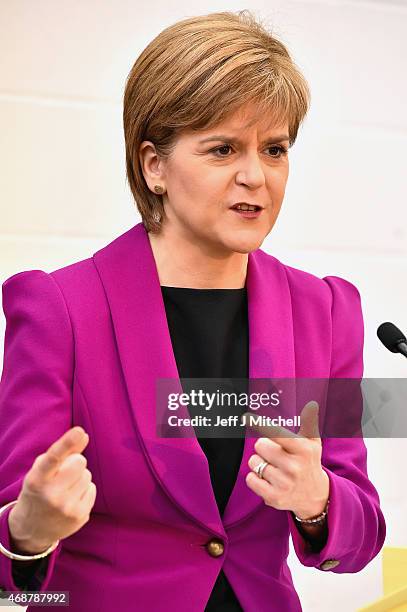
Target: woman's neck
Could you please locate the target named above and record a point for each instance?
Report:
(188, 266)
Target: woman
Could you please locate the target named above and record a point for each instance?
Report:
(150, 523)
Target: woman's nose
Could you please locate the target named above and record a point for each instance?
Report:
(251, 171)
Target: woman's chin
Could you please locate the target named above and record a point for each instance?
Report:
(245, 242)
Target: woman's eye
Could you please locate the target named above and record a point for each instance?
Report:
(218, 149)
(279, 149)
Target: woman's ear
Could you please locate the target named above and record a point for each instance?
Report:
(151, 165)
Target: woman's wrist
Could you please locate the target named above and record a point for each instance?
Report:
(313, 519)
(20, 545)
(317, 510)
(27, 547)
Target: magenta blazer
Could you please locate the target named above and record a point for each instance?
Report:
(84, 345)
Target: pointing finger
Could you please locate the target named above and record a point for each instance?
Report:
(72, 441)
(309, 420)
(287, 439)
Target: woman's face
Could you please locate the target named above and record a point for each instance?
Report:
(204, 178)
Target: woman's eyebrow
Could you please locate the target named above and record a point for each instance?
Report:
(278, 138)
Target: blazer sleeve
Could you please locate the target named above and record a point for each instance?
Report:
(356, 526)
(35, 401)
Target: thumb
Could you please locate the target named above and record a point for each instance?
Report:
(309, 420)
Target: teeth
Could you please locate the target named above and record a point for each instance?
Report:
(245, 207)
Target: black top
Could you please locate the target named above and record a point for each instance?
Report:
(210, 339)
(209, 334)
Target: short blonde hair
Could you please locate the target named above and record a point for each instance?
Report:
(193, 75)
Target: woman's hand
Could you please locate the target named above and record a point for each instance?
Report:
(56, 497)
(294, 480)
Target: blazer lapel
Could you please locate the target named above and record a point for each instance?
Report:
(271, 355)
(129, 275)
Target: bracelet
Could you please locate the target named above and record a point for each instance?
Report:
(315, 520)
(17, 557)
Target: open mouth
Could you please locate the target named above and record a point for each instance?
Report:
(244, 206)
(251, 212)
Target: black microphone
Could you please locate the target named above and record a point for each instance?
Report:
(392, 338)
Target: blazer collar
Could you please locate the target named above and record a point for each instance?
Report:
(129, 275)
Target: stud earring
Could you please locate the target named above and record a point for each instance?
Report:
(158, 189)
